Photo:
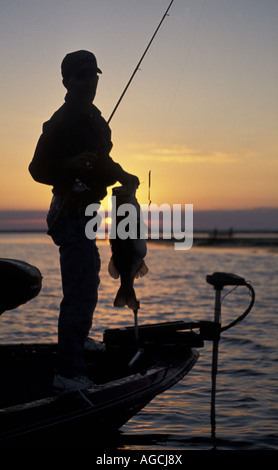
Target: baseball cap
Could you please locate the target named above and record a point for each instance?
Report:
(75, 62)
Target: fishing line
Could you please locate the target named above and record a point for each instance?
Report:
(179, 81)
(187, 56)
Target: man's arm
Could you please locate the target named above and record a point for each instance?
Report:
(54, 164)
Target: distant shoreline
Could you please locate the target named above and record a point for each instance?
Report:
(204, 238)
(226, 242)
(237, 242)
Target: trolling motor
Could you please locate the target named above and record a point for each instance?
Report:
(219, 280)
(181, 332)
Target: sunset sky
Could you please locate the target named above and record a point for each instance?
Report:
(201, 114)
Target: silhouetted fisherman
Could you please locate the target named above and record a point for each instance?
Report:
(72, 155)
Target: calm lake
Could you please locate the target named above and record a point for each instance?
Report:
(176, 289)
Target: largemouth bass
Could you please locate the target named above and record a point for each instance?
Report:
(128, 246)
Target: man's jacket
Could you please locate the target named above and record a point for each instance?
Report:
(69, 132)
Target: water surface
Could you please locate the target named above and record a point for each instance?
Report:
(175, 289)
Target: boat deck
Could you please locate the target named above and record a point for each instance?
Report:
(27, 370)
(127, 377)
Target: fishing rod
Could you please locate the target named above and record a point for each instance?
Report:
(140, 61)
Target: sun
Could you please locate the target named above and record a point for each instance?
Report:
(108, 220)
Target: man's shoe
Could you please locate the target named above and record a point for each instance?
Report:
(64, 385)
(93, 346)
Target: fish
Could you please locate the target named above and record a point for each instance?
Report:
(128, 245)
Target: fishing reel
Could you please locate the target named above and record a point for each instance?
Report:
(79, 187)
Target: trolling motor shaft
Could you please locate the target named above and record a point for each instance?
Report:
(219, 280)
(217, 321)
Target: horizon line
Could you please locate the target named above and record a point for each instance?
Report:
(171, 205)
